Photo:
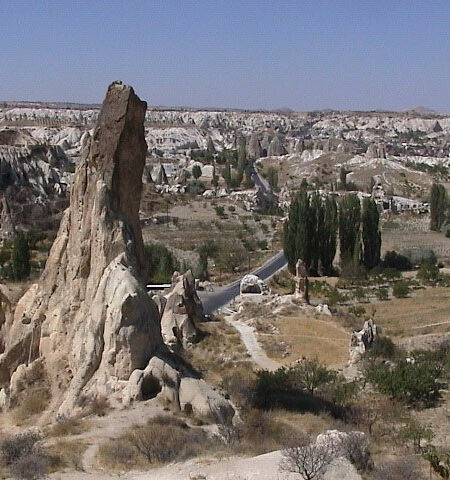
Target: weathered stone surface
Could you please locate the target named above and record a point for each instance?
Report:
(89, 318)
(362, 340)
(301, 281)
(376, 150)
(254, 149)
(210, 146)
(276, 147)
(89, 315)
(197, 395)
(182, 310)
(159, 175)
(253, 284)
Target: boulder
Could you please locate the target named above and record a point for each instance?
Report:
(196, 395)
(253, 284)
(183, 309)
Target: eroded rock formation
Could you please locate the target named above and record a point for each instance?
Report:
(89, 316)
(181, 311)
(361, 340)
(89, 319)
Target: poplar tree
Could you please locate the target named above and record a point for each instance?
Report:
(371, 234)
(20, 258)
(438, 206)
(328, 234)
(310, 232)
(349, 229)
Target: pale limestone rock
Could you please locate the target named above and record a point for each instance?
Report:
(89, 315)
(362, 340)
(204, 401)
(183, 309)
(253, 284)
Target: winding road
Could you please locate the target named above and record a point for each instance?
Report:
(221, 296)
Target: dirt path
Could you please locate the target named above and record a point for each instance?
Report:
(254, 348)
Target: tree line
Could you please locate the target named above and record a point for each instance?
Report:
(314, 224)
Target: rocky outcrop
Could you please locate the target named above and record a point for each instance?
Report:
(89, 316)
(210, 146)
(376, 150)
(253, 284)
(89, 320)
(181, 311)
(254, 150)
(361, 340)
(276, 147)
(159, 175)
(301, 281)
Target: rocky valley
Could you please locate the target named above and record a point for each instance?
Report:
(179, 299)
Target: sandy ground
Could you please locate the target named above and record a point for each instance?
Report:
(262, 467)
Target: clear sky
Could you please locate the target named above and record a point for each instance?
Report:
(305, 55)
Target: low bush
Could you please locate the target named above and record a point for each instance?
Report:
(33, 403)
(414, 383)
(396, 261)
(23, 456)
(399, 469)
(383, 348)
(30, 467)
(382, 294)
(400, 289)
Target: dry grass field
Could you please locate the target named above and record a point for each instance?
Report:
(408, 317)
(307, 335)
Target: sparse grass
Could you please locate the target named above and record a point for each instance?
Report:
(220, 349)
(98, 406)
(66, 454)
(67, 426)
(35, 402)
(164, 439)
(311, 336)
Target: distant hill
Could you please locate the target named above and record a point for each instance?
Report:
(422, 111)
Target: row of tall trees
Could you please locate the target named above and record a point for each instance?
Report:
(314, 223)
(310, 232)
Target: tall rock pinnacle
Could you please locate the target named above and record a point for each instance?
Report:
(89, 316)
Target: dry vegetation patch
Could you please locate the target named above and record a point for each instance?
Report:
(407, 317)
(310, 336)
(219, 350)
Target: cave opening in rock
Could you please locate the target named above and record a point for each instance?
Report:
(150, 387)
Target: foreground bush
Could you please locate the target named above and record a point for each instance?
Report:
(23, 456)
(164, 439)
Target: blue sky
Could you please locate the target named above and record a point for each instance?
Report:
(304, 55)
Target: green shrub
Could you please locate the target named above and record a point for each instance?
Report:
(160, 263)
(383, 347)
(220, 212)
(400, 289)
(395, 260)
(382, 294)
(409, 382)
